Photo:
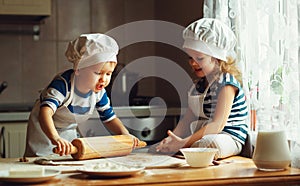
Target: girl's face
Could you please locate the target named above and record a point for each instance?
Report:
(202, 64)
(95, 77)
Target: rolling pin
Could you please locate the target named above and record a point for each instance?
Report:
(102, 146)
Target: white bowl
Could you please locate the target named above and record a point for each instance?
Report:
(199, 157)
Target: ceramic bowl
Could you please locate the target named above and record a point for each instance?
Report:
(199, 157)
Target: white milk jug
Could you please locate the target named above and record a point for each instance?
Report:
(272, 151)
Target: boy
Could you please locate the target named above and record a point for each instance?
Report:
(72, 96)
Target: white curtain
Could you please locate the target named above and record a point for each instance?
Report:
(268, 56)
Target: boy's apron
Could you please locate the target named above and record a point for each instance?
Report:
(66, 122)
(196, 103)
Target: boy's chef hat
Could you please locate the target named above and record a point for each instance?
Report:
(90, 49)
(211, 37)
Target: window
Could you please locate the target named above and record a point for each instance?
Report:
(267, 52)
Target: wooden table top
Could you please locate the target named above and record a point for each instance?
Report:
(231, 171)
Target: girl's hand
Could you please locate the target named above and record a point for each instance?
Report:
(63, 146)
(172, 143)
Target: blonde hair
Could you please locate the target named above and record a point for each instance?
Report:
(230, 67)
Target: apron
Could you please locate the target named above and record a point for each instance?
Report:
(195, 103)
(226, 145)
(66, 122)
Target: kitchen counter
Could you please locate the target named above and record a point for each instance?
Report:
(141, 121)
(231, 171)
(138, 111)
(14, 116)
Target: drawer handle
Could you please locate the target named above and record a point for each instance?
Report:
(2, 154)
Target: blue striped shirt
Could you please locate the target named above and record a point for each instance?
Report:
(236, 125)
(58, 91)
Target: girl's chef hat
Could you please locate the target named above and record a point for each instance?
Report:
(90, 49)
(211, 37)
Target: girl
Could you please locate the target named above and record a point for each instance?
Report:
(217, 112)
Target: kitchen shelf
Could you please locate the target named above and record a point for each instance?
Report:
(20, 12)
(22, 19)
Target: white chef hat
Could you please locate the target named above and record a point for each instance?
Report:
(91, 49)
(211, 37)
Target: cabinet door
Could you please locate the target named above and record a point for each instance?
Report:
(13, 139)
(28, 7)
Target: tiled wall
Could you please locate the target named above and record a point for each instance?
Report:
(28, 65)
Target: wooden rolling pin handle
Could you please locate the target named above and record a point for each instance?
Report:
(74, 150)
(141, 144)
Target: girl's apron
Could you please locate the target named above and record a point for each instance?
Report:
(195, 103)
(66, 122)
(228, 145)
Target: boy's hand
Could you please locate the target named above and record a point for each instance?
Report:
(135, 141)
(63, 147)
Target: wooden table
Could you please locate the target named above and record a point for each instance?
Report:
(231, 171)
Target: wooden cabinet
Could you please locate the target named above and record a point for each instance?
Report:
(12, 139)
(25, 7)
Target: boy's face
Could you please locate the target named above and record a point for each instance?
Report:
(95, 77)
